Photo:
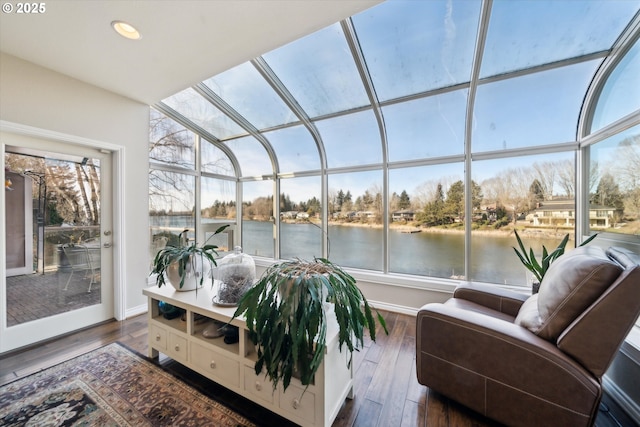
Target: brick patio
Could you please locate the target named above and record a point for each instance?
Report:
(36, 296)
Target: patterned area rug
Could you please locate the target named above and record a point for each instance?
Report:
(108, 387)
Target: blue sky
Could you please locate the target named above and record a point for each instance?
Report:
(411, 47)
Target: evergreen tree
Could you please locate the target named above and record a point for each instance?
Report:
(404, 201)
(454, 204)
(536, 194)
(608, 194)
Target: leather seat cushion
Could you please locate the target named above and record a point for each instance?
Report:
(572, 283)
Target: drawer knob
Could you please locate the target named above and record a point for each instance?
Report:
(295, 403)
(258, 386)
(157, 337)
(177, 347)
(213, 364)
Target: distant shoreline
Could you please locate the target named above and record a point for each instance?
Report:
(526, 232)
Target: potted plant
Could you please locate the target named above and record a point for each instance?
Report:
(185, 266)
(287, 313)
(539, 269)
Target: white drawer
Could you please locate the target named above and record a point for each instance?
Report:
(157, 337)
(215, 366)
(258, 385)
(296, 403)
(177, 347)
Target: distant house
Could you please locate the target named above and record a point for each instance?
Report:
(403, 215)
(365, 214)
(561, 212)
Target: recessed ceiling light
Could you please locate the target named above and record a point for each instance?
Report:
(126, 30)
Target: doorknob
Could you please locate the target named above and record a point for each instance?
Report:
(107, 245)
(107, 233)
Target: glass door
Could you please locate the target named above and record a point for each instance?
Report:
(58, 257)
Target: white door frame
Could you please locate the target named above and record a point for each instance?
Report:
(117, 160)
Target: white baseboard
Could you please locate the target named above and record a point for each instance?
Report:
(135, 311)
(626, 403)
(380, 305)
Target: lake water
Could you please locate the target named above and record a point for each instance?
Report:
(427, 254)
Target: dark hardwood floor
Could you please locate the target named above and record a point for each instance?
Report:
(387, 392)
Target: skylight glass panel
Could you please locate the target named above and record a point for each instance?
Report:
(214, 160)
(352, 139)
(320, 73)
(252, 156)
(531, 110)
(426, 127)
(194, 107)
(415, 46)
(526, 33)
(244, 89)
(621, 93)
(295, 149)
(170, 143)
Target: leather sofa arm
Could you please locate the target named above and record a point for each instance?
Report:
(491, 296)
(491, 365)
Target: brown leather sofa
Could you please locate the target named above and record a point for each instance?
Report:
(533, 360)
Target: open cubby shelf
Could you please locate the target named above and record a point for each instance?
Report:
(232, 365)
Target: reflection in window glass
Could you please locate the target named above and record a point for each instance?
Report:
(200, 111)
(614, 195)
(249, 94)
(533, 194)
(300, 218)
(355, 219)
(523, 34)
(544, 111)
(257, 218)
(319, 72)
(353, 139)
(621, 93)
(295, 149)
(252, 156)
(415, 46)
(214, 160)
(171, 207)
(426, 127)
(169, 142)
(426, 232)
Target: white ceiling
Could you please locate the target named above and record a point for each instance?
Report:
(183, 42)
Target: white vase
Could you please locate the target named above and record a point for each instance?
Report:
(195, 271)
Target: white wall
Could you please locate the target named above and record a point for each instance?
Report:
(37, 97)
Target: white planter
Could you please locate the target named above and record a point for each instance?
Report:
(195, 271)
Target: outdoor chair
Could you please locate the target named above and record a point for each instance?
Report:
(82, 259)
(533, 360)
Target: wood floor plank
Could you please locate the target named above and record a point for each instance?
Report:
(379, 388)
(396, 396)
(376, 348)
(368, 415)
(412, 415)
(436, 410)
(387, 393)
(362, 378)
